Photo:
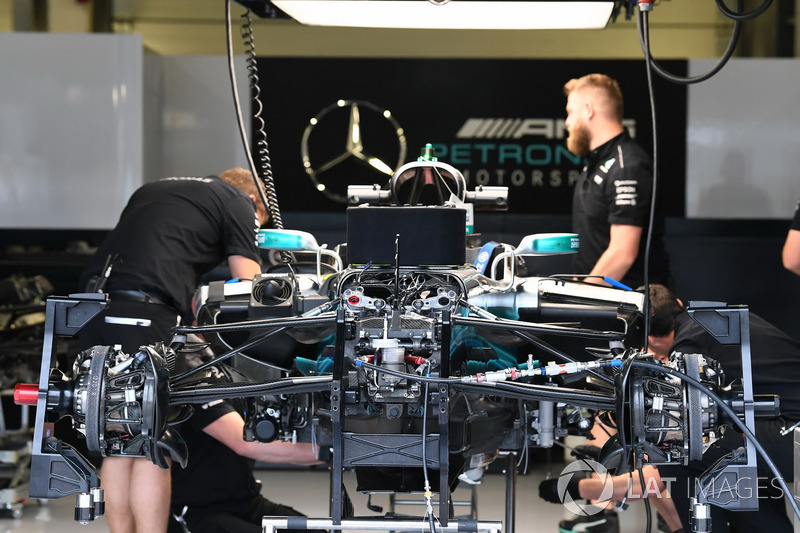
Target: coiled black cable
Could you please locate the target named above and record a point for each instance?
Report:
(262, 146)
(264, 180)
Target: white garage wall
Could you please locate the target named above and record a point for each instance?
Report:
(743, 140)
(85, 119)
(70, 128)
(191, 126)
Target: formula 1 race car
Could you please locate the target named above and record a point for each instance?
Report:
(409, 362)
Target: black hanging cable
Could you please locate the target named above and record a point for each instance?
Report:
(743, 16)
(644, 17)
(644, 30)
(647, 510)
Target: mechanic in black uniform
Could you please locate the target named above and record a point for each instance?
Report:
(612, 198)
(776, 370)
(217, 491)
(170, 233)
(791, 247)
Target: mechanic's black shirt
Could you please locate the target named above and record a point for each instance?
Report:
(796, 220)
(775, 358)
(173, 231)
(616, 187)
(215, 477)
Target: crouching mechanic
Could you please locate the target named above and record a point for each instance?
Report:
(775, 359)
(775, 370)
(624, 488)
(217, 491)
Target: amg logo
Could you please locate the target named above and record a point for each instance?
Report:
(512, 128)
(516, 128)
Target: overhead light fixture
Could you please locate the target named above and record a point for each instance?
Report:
(451, 14)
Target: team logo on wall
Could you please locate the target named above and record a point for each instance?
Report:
(352, 142)
(500, 122)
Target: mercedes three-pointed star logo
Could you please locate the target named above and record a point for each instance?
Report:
(373, 156)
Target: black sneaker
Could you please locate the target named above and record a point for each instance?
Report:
(605, 522)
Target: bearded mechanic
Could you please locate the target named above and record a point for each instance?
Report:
(612, 197)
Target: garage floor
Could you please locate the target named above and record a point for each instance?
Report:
(308, 491)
